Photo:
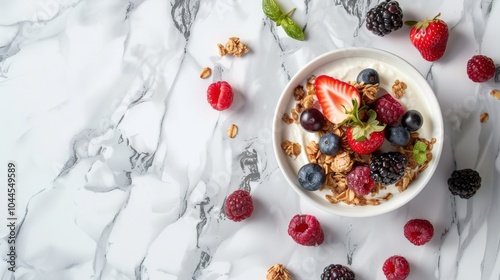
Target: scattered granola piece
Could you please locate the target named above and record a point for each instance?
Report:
(232, 131)
(299, 93)
(495, 93)
(287, 119)
(233, 46)
(278, 272)
(205, 73)
(308, 101)
(399, 88)
(291, 149)
(484, 117)
(368, 92)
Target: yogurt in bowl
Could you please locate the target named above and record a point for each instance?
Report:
(345, 65)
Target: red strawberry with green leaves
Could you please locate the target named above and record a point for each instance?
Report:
(335, 97)
(365, 137)
(429, 37)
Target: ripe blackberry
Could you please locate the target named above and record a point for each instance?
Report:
(337, 272)
(464, 183)
(388, 168)
(384, 18)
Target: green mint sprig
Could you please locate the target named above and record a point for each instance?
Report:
(419, 152)
(274, 13)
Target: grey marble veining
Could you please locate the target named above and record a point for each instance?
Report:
(124, 168)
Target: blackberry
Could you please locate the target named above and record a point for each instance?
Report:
(464, 183)
(384, 18)
(337, 272)
(388, 168)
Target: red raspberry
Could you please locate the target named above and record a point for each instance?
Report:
(220, 95)
(418, 231)
(388, 109)
(480, 68)
(359, 180)
(396, 268)
(239, 205)
(306, 230)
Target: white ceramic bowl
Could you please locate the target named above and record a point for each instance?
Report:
(345, 64)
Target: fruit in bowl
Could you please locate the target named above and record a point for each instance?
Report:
(376, 132)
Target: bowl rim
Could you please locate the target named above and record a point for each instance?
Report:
(324, 59)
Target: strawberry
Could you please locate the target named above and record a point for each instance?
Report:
(366, 145)
(429, 37)
(335, 97)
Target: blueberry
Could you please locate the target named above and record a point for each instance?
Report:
(412, 120)
(329, 144)
(397, 135)
(368, 76)
(311, 176)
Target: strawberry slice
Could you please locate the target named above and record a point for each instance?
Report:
(335, 97)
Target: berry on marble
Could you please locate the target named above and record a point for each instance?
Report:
(239, 205)
(312, 119)
(306, 230)
(220, 95)
(429, 37)
(464, 183)
(311, 176)
(368, 76)
(397, 135)
(359, 180)
(384, 18)
(418, 231)
(412, 120)
(329, 144)
(396, 268)
(480, 68)
(337, 272)
(388, 109)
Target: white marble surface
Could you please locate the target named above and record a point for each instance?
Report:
(123, 167)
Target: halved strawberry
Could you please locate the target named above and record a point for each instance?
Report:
(335, 97)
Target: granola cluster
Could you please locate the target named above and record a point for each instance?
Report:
(337, 166)
(234, 47)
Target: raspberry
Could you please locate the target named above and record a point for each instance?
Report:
(396, 268)
(388, 109)
(464, 183)
(239, 205)
(306, 230)
(418, 231)
(480, 68)
(337, 272)
(359, 180)
(220, 95)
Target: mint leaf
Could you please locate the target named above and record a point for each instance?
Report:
(419, 152)
(419, 146)
(420, 157)
(271, 10)
(292, 29)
